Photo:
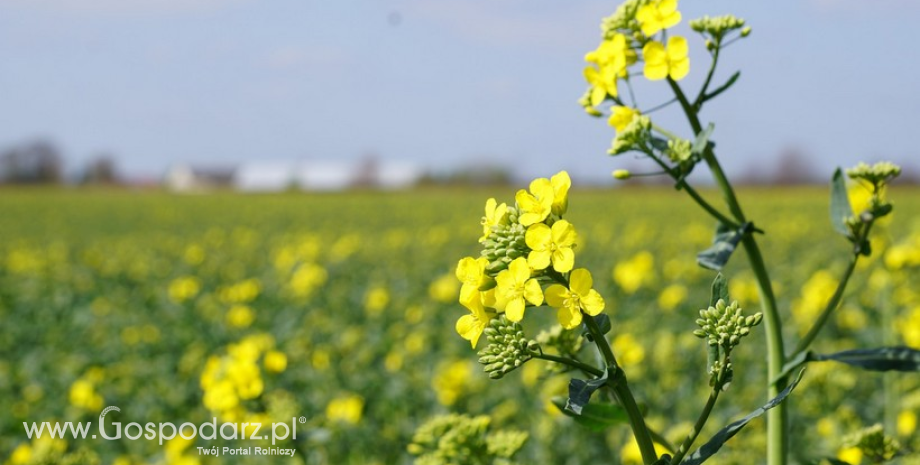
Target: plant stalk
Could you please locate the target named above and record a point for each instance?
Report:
(777, 447)
(624, 395)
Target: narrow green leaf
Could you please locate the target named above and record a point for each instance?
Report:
(580, 392)
(596, 416)
(724, 244)
(715, 443)
(719, 290)
(790, 366)
(840, 204)
(702, 140)
(723, 87)
(880, 359)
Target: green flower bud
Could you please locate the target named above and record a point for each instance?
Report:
(633, 137)
(508, 348)
(622, 174)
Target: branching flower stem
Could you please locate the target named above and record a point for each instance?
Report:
(568, 362)
(777, 445)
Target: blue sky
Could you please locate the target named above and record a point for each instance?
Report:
(443, 83)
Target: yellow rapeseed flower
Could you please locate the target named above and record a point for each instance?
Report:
(240, 316)
(603, 83)
(537, 204)
(851, 455)
(907, 423)
(515, 286)
(661, 63)
(471, 326)
(561, 184)
(495, 215)
(634, 273)
(611, 58)
(658, 15)
(620, 117)
(578, 298)
(472, 274)
(551, 244)
(275, 361)
(345, 409)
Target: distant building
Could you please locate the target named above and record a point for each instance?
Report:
(325, 175)
(185, 178)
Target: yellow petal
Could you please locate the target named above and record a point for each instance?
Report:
(488, 298)
(563, 234)
(593, 303)
(677, 48)
(539, 259)
(514, 311)
(468, 293)
(533, 292)
(468, 270)
(591, 75)
(525, 201)
(561, 184)
(580, 282)
(670, 20)
(568, 317)
(598, 94)
(667, 7)
(519, 270)
(556, 295)
(563, 260)
(538, 237)
(680, 69)
(655, 72)
(469, 328)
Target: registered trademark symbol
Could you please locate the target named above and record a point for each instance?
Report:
(303, 420)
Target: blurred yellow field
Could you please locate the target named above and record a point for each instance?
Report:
(338, 311)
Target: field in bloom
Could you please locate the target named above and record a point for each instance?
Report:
(340, 308)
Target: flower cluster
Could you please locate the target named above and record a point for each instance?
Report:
(877, 175)
(634, 28)
(456, 438)
(229, 380)
(724, 325)
(508, 348)
(717, 27)
(874, 444)
(526, 247)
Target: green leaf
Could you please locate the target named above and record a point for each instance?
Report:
(724, 244)
(723, 87)
(840, 204)
(580, 392)
(715, 443)
(603, 322)
(790, 366)
(905, 359)
(597, 416)
(880, 359)
(702, 140)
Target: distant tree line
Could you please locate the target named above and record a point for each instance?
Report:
(41, 162)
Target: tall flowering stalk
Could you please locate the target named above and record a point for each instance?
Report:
(528, 257)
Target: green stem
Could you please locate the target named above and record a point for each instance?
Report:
(698, 426)
(682, 184)
(828, 310)
(698, 103)
(568, 362)
(777, 417)
(621, 389)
